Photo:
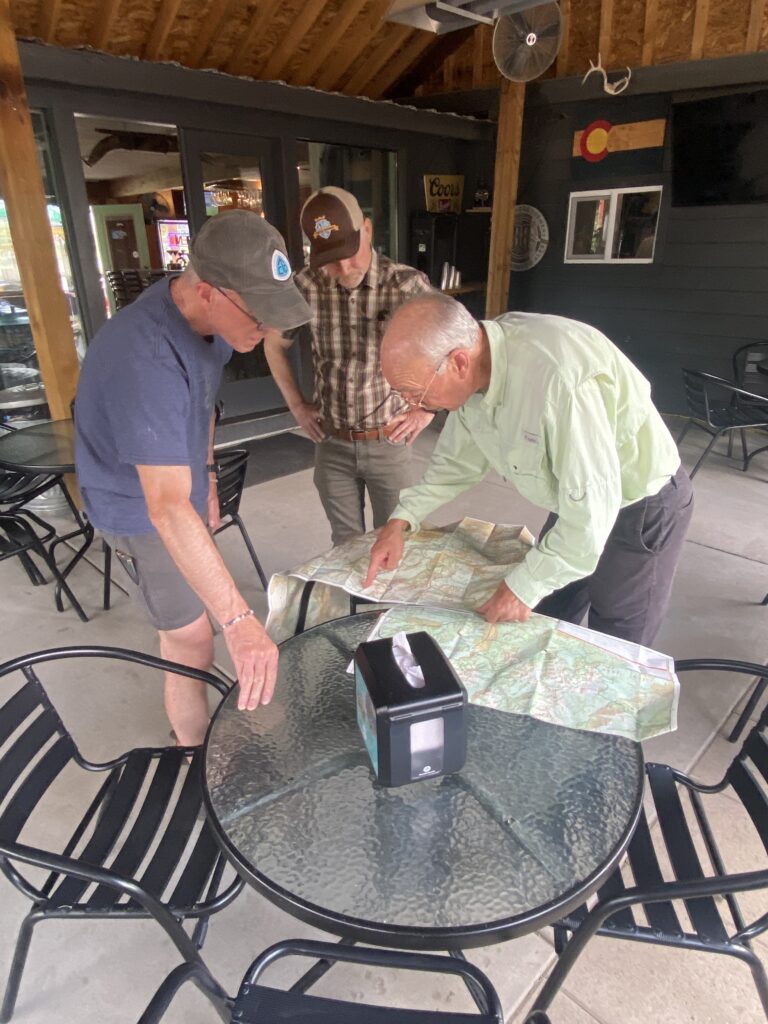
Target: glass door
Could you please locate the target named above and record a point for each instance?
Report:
(225, 172)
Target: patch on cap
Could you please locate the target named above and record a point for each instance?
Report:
(323, 227)
(281, 268)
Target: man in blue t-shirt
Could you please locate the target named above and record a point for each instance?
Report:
(144, 449)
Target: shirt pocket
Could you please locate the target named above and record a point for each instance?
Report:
(529, 472)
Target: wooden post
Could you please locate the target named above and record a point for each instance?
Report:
(508, 142)
(21, 186)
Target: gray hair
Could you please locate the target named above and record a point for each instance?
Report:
(438, 324)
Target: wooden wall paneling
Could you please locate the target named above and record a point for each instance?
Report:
(106, 12)
(301, 26)
(358, 40)
(164, 20)
(756, 17)
(378, 84)
(48, 20)
(21, 185)
(649, 32)
(505, 177)
(330, 38)
(218, 15)
(561, 63)
(241, 57)
(699, 29)
(606, 30)
(381, 54)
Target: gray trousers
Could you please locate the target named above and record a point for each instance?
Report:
(343, 472)
(628, 593)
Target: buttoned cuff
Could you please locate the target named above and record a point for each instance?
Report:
(525, 587)
(402, 513)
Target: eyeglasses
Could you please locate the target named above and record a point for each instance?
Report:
(245, 312)
(419, 403)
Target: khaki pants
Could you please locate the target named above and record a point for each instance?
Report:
(343, 472)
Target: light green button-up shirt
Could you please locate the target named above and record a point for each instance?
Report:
(569, 420)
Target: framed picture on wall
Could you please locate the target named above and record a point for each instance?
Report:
(613, 225)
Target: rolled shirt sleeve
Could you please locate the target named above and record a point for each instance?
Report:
(456, 465)
(586, 466)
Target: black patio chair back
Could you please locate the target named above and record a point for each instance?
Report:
(231, 468)
(127, 285)
(17, 488)
(259, 1004)
(720, 407)
(140, 827)
(712, 926)
(745, 361)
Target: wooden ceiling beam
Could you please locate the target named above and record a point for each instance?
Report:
(754, 29)
(164, 20)
(605, 45)
(240, 59)
(335, 31)
(561, 64)
(301, 26)
(379, 59)
(106, 12)
(378, 84)
(434, 58)
(48, 20)
(357, 40)
(218, 15)
(649, 32)
(700, 19)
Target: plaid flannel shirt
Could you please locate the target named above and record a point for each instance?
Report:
(347, 329)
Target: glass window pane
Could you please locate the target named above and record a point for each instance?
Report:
(637, 215)
(18, 359)
(231, 183)
(589, 224)
(135, 190)
(369, 174)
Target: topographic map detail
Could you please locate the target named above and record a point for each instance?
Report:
(551, 670)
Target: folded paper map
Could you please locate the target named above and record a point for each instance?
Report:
(551, 670)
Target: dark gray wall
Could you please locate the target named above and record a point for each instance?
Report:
(706, 291)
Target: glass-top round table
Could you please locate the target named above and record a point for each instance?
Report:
(532, 825)
(44, 447)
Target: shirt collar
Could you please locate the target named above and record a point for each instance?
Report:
(499, 364)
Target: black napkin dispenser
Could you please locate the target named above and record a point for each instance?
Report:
(413, 722)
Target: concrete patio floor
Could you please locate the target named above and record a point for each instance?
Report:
(100, 971)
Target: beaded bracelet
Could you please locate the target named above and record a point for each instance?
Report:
(238, 618)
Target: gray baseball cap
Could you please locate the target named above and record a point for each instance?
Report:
(238, 249)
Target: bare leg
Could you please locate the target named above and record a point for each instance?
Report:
(186, 700)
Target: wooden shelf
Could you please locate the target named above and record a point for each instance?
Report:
(463, 289)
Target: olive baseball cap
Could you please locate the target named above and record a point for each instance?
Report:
(331, 219)
(238, 249)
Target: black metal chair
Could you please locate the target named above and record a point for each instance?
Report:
(744, 362)
(19, 539)
(258, 1004)
(142, 816)
(720, 407)
(127, 285)
(231, 467)
(714, 927)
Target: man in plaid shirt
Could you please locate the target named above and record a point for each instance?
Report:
(363, 431)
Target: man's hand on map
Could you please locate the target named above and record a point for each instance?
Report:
(388, 549)
(408, 425)
(503, 606)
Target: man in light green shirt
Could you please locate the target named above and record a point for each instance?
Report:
(555, 408)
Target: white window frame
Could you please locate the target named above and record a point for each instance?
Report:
(612, 194)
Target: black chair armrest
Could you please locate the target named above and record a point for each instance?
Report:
(116, 654)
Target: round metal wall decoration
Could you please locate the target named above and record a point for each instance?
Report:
(530, 237)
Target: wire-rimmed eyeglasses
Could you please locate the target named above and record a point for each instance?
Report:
(237, 305)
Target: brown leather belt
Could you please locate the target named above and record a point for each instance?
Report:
(345, 434)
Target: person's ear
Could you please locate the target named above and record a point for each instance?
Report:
(367, 229)
(204, 292)
(461, 362)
